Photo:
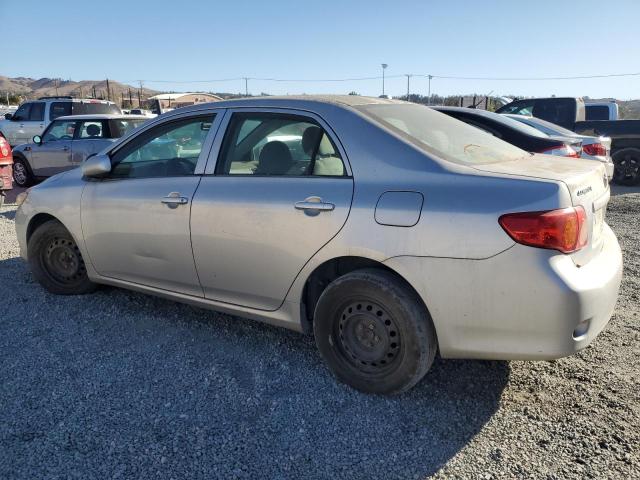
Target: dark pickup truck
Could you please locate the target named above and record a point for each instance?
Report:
(570, 113)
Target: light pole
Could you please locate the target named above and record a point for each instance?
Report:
(384, 67)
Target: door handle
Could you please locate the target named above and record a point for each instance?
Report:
(174, 199)
(314, 205)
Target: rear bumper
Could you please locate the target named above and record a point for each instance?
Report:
(524, 303)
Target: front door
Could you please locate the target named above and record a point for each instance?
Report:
(53, 154)
(136, 221)
(280, 192)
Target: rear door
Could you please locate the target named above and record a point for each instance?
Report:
(277, 189)
(91, 137)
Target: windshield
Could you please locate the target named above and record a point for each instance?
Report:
(121, 127)
(544, 126)
(448, 138)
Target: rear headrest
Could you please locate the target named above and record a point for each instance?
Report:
(310, 139)
(93, 130)
(275, 159)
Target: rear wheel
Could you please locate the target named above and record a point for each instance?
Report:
(22, 175)
(56, 261)
(374, 333)
(626, 166)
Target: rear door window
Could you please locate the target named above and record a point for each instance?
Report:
(268, 144)
(92, 129)
(559, 111)
(59, 109)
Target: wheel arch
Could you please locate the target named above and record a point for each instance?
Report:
(318, 280)
(38, 220)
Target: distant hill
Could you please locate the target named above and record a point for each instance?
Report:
(43, 87)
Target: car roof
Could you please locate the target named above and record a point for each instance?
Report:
(293, 101)
(103, 116)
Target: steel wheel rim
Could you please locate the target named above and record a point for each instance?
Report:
(368, 337)
(19, 173)
(62, 261)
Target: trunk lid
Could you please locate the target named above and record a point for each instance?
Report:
(587, 183)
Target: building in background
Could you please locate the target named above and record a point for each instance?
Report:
(165, 102)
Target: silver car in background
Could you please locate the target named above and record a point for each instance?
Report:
(593, 148)
(67, 142)
(386, 229)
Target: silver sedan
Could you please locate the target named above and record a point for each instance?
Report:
(386, 229)
(67, 142)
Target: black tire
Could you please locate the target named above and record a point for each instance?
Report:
(374, 333)
(22, 174)
(626, 169)
(56, 261)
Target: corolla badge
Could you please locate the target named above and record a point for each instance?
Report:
(583, 191)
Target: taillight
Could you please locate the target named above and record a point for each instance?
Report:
(5, 148)
(561, 150)
(595, 150)
(564, 230)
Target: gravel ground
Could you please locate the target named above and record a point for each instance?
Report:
(123, 385)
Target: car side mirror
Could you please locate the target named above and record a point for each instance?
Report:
(96, 166)
(37, 139)
(7, 116)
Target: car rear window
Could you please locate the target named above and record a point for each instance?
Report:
(444, 136)
(91, 108)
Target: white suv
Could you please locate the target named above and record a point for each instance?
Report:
(33, 117)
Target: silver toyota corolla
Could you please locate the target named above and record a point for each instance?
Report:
(387, 229)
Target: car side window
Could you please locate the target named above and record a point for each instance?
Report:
(266, 144)
(60, 130)
(37, 112)
(167, 150)
(59, 109)
(91, 130)
(22, 114)
(521, 108)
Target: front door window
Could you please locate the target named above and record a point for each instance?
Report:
(169, 150)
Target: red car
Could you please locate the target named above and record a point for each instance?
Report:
(6, 165)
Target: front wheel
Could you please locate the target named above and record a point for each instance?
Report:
(56, 261)
(374, 333)
(22, 175)
(626, 166)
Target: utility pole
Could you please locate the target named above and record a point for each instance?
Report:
(430, 77)
(139, 95)
(246, 87)
(108, 90)
(56, 87)
(408, 75)
(384, 67)
(94, 90)
(130, 99)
